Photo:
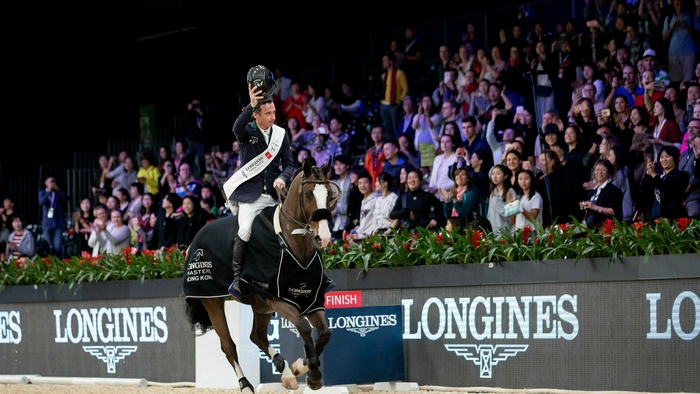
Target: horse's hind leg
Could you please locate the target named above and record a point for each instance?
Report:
(217, 314)
(259, 337)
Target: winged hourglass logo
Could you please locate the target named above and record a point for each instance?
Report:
(111, 355)
(486, 356)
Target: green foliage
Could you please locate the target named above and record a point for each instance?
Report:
(613, 241)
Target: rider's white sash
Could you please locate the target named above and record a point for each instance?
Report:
(258, 164)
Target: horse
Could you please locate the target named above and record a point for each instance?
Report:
(301, 227)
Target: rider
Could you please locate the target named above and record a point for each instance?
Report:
(263, 148)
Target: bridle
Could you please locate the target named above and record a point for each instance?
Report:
(317, 215)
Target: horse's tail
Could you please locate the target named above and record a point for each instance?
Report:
(197, 315)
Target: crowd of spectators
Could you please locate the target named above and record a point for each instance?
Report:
(583, 122)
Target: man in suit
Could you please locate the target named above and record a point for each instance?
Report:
(692, 197)
(53, 222)
(264, 148)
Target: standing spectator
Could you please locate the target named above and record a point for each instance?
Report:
(669, 186)
(605, 201)
(141, 224)
(617, 156)
(341, 167)
(20, 242)
(180, 155)
(692, 198)
(530, 208)
(394, 89)
(148, 172)
(195, 126)
(501, 194)
(163, 156)
(552, 188)
(100, 182)
(460, 200)
(374, 157)
(99, 224)
(193, 219)
(405, 126)
(113, 238)
(315, 104)
(7, 211)
(294, 105)
(126, 176)
(542, 67)
(666, 131)
(82, 223)
(135, 201)
(439, 176)
(123, 201)
(412, 62)
(53, 222)
(575, 172)
(680, 33)
(165, 224)
(393, 163)
(426, 125)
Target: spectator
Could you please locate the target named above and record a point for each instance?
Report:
(692, 198)
(294, 104)
(552, 189)
(20, 242)
(164, 156)
(195, 126)
(394, 89)
(100, 182)
(417, 208)
(374, 157)
(617, 156)
(148, 173)
(514, 162)
(303, 154)
(385, 202)
(639, 121)
(365, 227)
(530, 204)
(193, 219)
(123, 201)
(167, 182)
(141, 224)
(393, 162)
(301, 137)
(53, 222)
(461, 200)
(439, 176)
(135, 201)
(180, 155)
(501, 194)
(315, 105)
(214, 193)
(165, 224)
(479, 165)
(637, 166)
(115, 237)
(666, 130)
(7, 211)
(126, 177)
(82, 223)
(188, 185)
(680, 33)
(575, 173)
(405, 125)
(605, 201)
(669, 185)
(341, 167)
(339, 138)
(426, 126)
(408, 151)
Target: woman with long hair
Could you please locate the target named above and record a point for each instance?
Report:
(639, 120)
(514, 162)
(193, 219)
(666, 130)
(384, 203)
(552, 187)
(617, 156)
(530, 209)
(575, 172)
(668, 185)
(501, 193)
(426, 124)
(141, 225)
(481, 163)
(461, 200)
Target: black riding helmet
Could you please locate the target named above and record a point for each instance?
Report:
(263, 78)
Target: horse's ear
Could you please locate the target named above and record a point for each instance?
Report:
(308, 165)
(325, 169)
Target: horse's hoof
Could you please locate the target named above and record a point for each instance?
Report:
(290, 383)
(298, 368)
(314, 384)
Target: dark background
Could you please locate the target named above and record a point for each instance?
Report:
(78, 74)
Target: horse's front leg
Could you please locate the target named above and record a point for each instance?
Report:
(318, 320)
(259, 337)
(217, 315)
(314, 378)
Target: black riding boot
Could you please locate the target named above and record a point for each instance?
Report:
(240, 249)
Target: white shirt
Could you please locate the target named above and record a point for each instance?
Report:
(382, 208)
(366, 226)
(529, 204)
(439, 177)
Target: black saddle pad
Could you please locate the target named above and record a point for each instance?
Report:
(270, 269)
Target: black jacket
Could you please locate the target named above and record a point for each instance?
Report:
(252, 143)
(671, 190)
(610, 197)
(425, 207)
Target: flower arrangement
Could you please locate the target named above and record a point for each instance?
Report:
(564, 241)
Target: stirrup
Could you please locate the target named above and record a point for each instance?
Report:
(235, 290)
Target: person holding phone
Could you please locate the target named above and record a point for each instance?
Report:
(668, 185)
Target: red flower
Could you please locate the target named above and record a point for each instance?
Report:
(638, 228)
(502, 242)
(564, 228)
(526, 234)
(549, 239)
(346, 246)
(376, 246)
(683, 223)
(449, 243)
(537, 240)
(438, 238)
(331, 252)
(476, 238)
(407, 246)
(608, 226)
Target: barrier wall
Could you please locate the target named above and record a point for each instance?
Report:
(632, 326)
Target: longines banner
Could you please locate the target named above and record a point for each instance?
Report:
(368, 339)
(141, 338)
(636, 335)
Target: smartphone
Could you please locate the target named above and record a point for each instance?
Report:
(621, 81)
(519, 109)
(592, 23)
(605, 112)
(446, 78)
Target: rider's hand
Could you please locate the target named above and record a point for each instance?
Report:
(255, 94)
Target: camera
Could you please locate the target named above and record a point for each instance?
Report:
(596, 139)
(605, 112)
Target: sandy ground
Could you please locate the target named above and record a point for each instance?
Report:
(85, 389)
